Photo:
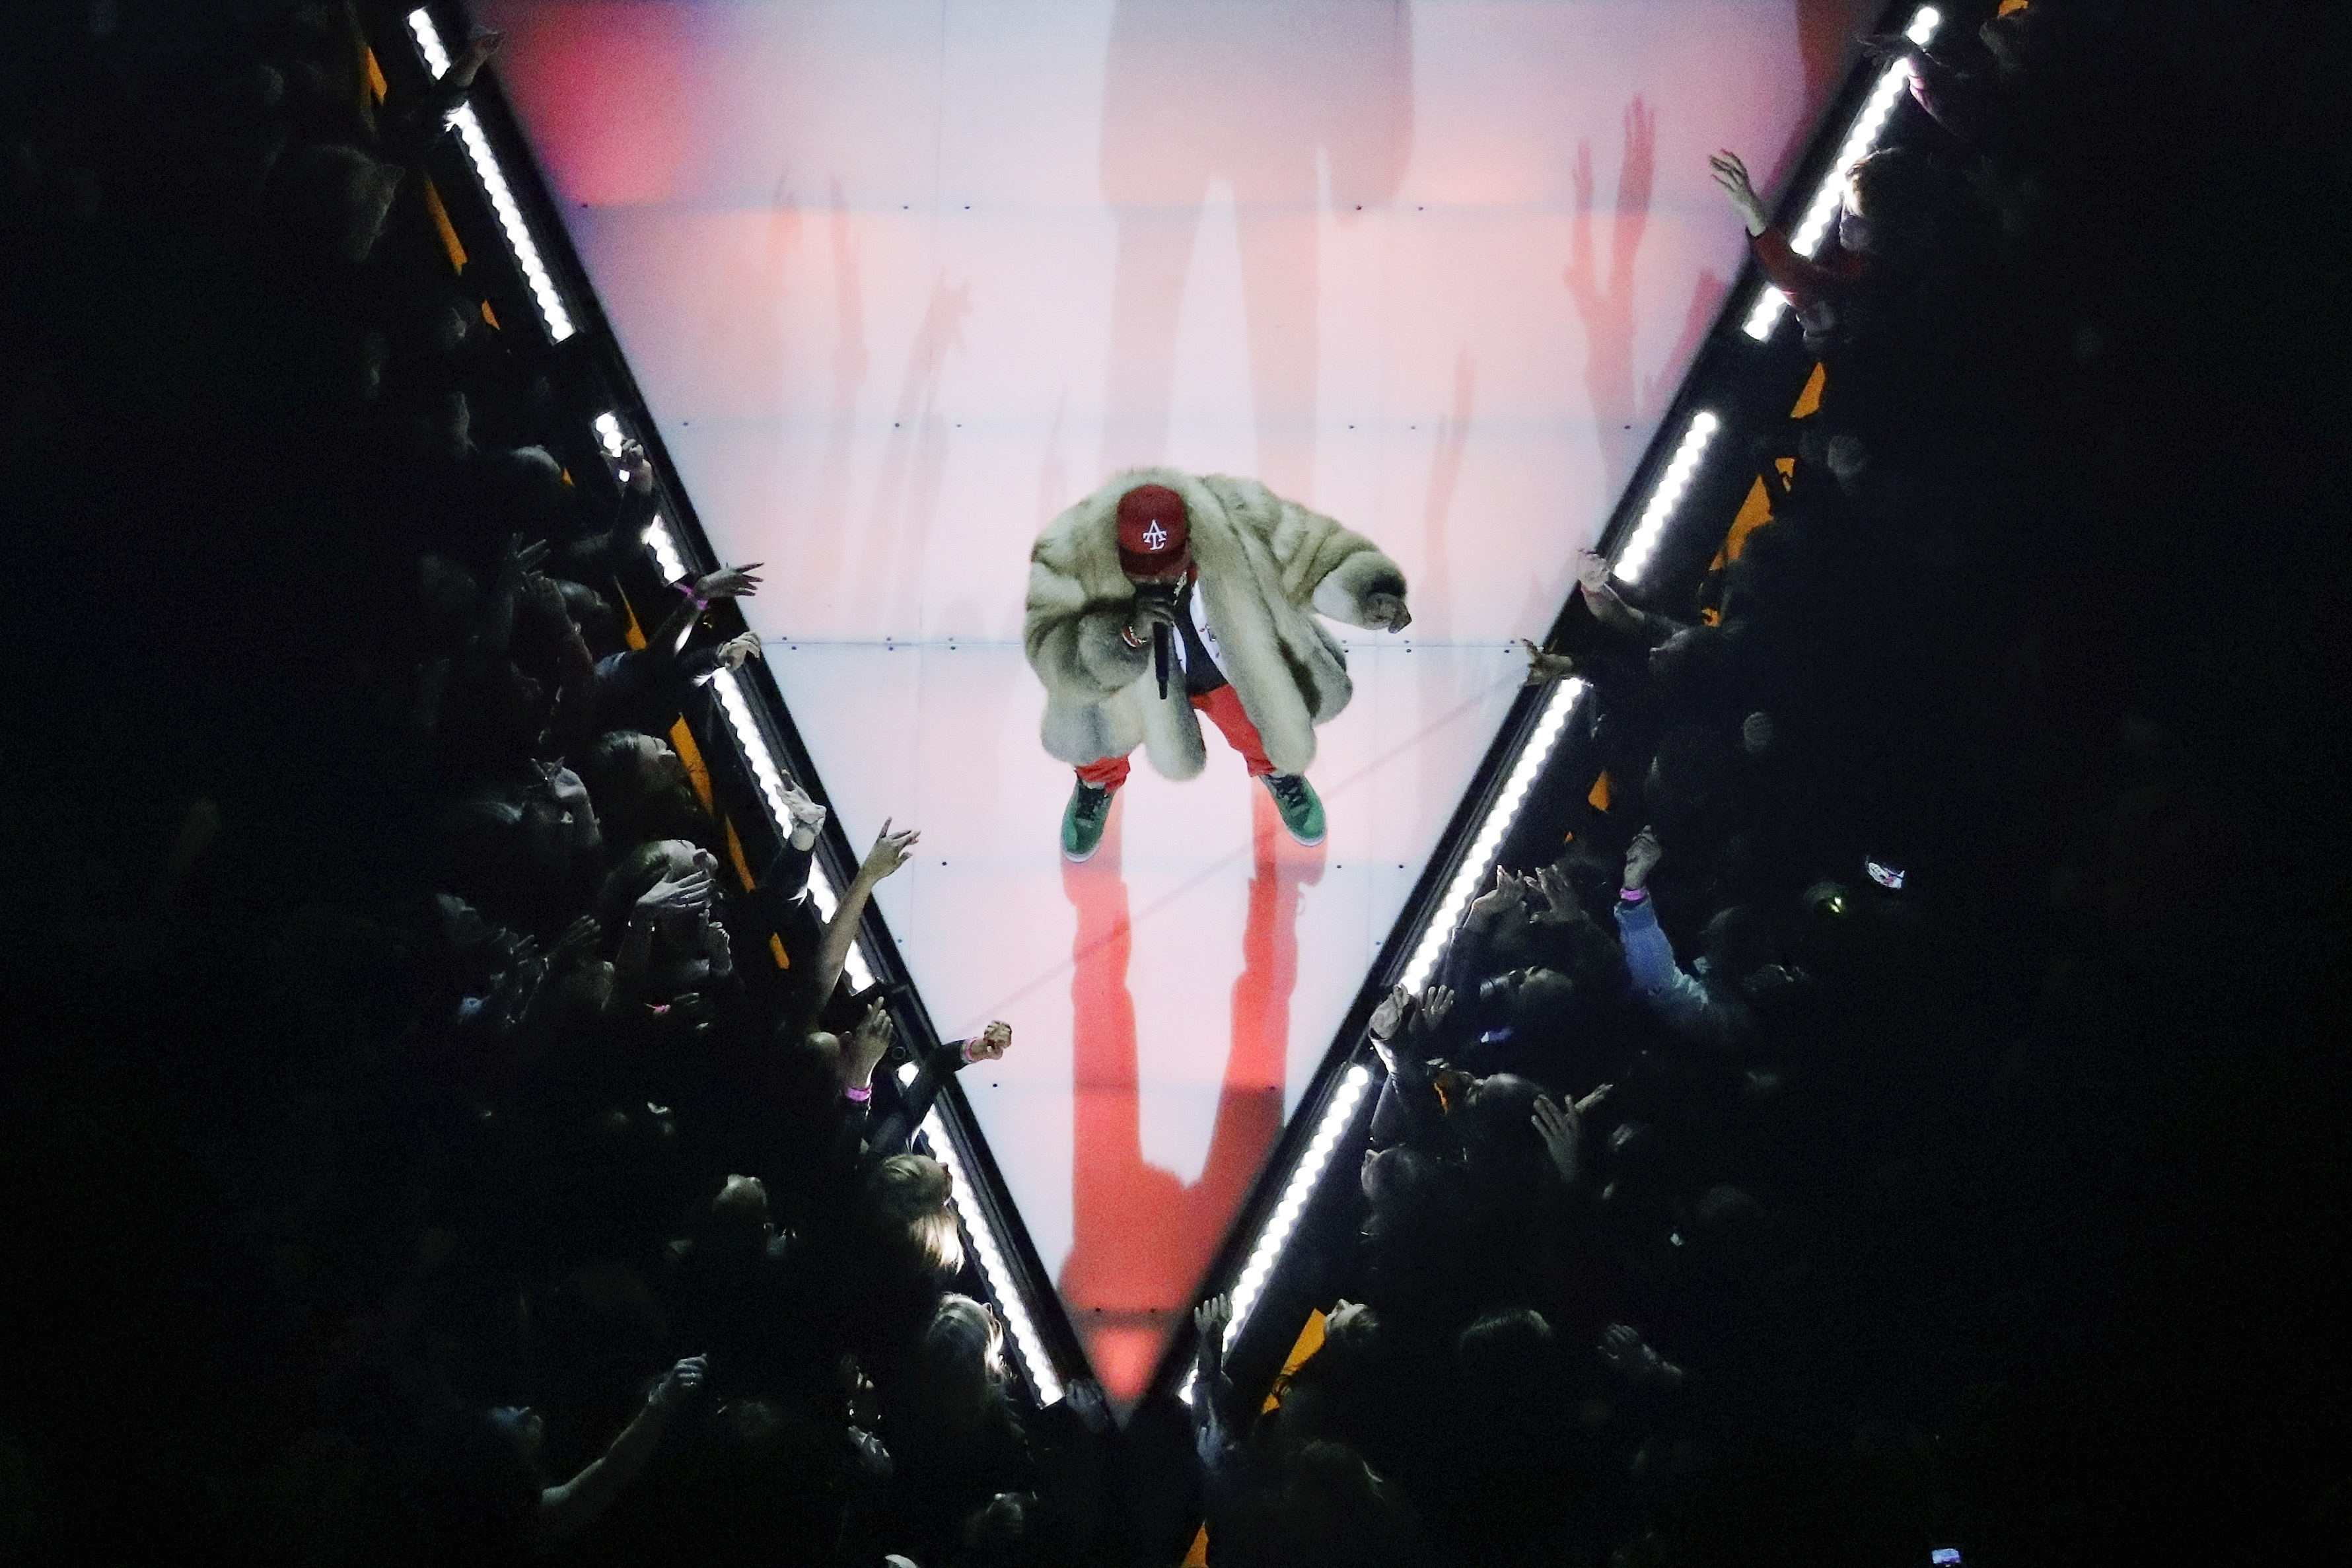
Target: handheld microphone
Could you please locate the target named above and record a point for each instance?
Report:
(1160, 656)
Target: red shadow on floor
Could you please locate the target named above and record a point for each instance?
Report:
(1142, 1238)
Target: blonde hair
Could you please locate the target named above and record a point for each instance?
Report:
(912, 1192)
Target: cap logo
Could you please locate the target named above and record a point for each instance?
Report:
(1155, 538)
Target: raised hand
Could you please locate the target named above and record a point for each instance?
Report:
(868, 1044)
(1436, 1001)
(889, 853)
(1561, 906)
(637, 468)
(1641, 857)
(1210, 1318)
(808, 818)
(1624, 1353)
(578, 941)
(1562, 1133)
(1390, 1016)
(736, 651)
(1507, 895)
(1543, 669)
(1592, 572)
(681, 1383)
(728, 583)
(1732, 175)
(991, 1044)
(519, 561)
(676, 895)
(564, 786)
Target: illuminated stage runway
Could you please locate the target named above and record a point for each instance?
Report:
(900, 281)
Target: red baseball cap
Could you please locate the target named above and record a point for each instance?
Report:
(1153, 538)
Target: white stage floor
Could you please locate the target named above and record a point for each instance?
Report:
(901, 280)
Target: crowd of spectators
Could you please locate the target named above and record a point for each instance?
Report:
(1616, 1134)
(424, 1159)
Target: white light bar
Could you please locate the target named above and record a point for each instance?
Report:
(667, 554)
(1806, 241)
(494, 186)
(736, 707)
(1001, 1287)
(1250, 1284)
(1472, 873)
(1634, 556)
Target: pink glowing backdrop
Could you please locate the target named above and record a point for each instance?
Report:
(901, 280)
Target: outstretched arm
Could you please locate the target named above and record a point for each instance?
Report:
(1324, 566)
(889, 853)
(564, 1511)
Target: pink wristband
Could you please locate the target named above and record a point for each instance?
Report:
(860, 1095)
(685, 586)
(1632, 895)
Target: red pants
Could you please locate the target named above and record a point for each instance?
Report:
(1225, 707)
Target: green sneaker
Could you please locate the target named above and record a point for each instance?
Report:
(1302, 812)
(1083, 821)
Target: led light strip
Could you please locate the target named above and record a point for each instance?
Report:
(494, 185)
(1472, 873)
(1807, 240)
(1249, 1285)
(1002, 1287)
(1633, 556)
(736, 707)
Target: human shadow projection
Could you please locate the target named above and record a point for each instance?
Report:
(1270, 99)
(1141, 1237)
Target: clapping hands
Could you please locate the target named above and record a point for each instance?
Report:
(1507, 896)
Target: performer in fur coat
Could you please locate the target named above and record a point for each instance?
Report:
(1235, 574)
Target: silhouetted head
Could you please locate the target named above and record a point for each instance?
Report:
(909, 1194)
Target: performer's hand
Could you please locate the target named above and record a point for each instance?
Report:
(1155, 606)
(1386, 613)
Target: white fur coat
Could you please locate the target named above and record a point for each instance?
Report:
(1267, 566)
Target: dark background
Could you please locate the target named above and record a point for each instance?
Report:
(2086, 1221)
